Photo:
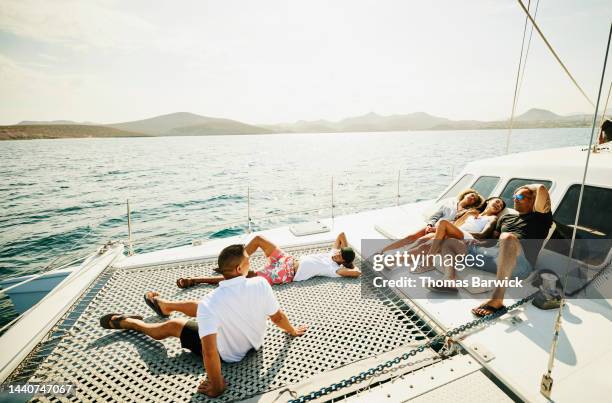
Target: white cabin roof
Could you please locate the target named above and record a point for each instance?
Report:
(560, 164)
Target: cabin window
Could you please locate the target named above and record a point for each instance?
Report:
(516, 183)
(594, 231)
(485, 185)
(458, 187)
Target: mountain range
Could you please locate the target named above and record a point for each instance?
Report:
(190, 124)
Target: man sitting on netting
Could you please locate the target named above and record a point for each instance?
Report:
(230, 321)
(284, 268)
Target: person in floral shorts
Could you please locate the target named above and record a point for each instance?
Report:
(282, 268)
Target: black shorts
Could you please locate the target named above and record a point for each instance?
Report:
(190, 338)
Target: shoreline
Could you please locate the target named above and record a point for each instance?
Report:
(9, 137)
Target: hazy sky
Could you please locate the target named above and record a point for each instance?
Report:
(278, 61)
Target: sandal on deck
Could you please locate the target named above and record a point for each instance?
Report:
(107, 321)
(487, 308)
(184, 283)
(152, 303)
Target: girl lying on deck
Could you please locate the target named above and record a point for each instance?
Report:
(283, 268)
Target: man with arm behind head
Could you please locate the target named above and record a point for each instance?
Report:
(520, 239)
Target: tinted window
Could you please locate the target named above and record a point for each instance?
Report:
(594, 231)
(485, 185)
(513, 184)
(458, 187)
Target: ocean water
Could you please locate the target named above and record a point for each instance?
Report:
(65, 197)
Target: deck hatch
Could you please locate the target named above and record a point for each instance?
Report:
(127, 366)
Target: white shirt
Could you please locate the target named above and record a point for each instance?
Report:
(317, 265)
(237, 311)
(475, 224)
(449, 207)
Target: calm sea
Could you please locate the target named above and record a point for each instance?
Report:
(66, 197)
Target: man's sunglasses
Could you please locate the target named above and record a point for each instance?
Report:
(519, 197)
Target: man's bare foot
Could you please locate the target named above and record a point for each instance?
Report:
(488, 308)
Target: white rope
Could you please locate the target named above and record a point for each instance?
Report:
(549, 46)
(559, 319)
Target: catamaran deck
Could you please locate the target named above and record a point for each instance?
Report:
(345, 327)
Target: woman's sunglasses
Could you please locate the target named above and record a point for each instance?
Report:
(519, 197)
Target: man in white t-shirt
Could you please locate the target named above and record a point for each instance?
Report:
(230, 321)
(284, 268)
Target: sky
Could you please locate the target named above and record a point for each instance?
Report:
(281, 60)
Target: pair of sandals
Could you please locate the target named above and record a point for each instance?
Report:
(113, 320)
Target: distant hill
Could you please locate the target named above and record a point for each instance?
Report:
(535, 114)
(56, 131)
(373, 122)
(370, 122)
(188, 124)
(217, 127)
(52, 122)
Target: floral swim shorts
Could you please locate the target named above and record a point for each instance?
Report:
(279, 269)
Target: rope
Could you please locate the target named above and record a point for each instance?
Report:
(516, 84)
(547, 377)
(535, 14)
(549, 46)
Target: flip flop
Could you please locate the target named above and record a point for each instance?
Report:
(184, 283)
(154, 306)
(107, 322)
(491, 309)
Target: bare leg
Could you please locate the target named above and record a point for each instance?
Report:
(509, 250)
(260, 242)
(189, 308)
(405, 241)
(158, 331)
(454, 248)
(445, 230)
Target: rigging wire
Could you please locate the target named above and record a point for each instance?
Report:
(535, 14)
(549, 46)
(516, 84)
(546, 378)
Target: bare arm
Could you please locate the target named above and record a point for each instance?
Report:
(214, 384)
(542, 200)
(281, 320)
(344, 272)
(341, 241)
